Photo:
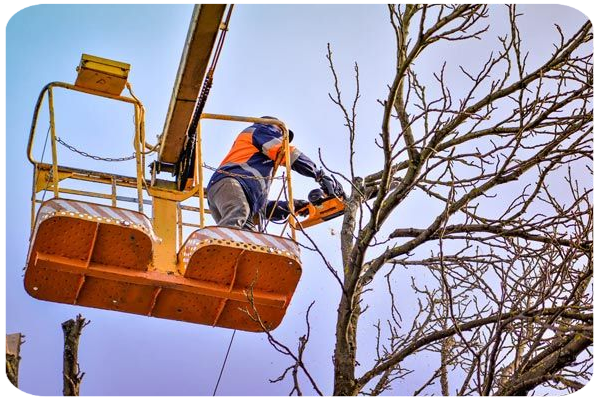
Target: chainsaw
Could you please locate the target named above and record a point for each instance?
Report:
(324, 204)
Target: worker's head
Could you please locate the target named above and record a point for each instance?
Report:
(290, 131)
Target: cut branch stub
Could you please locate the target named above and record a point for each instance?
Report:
(10, 347)
(72, 376)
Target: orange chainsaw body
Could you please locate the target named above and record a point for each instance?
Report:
(318, 213)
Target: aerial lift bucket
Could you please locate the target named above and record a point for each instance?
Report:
(106, 257)
(100, 256)
(240, 265)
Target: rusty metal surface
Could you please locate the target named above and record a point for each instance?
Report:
(243, 261)
(92, 261)
(111, 294)
(122, 247)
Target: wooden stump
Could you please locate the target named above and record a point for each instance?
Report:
(13, 351)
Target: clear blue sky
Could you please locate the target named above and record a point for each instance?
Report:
(273, 63)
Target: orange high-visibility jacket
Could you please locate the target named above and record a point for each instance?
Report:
(253, 155)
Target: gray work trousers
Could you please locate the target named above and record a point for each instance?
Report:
(228, 204)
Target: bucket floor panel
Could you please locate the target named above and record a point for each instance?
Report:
(151, 293)
(91, 260)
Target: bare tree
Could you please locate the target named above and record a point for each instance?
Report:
(501, 266)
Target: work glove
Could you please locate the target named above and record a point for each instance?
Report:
(327, 184)
(300, 207)
(330, 185)
(281, 209)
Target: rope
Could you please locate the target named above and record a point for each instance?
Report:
(269, 218)
(224, 363)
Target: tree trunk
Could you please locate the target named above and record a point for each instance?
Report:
(71, 375)
(345, 351)
(13, 350)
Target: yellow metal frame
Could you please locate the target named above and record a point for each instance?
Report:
(166, 201)
(53, 173)
(102, 74)
(105, 65)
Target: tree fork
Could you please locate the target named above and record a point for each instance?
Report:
(13, 357)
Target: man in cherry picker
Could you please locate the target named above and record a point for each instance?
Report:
(238, 191)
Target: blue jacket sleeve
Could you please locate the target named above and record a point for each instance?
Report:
(301, 164)
(269, 142)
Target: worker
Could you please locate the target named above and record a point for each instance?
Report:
(237, 192)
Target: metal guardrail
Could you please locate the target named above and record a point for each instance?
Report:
(48, 176)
